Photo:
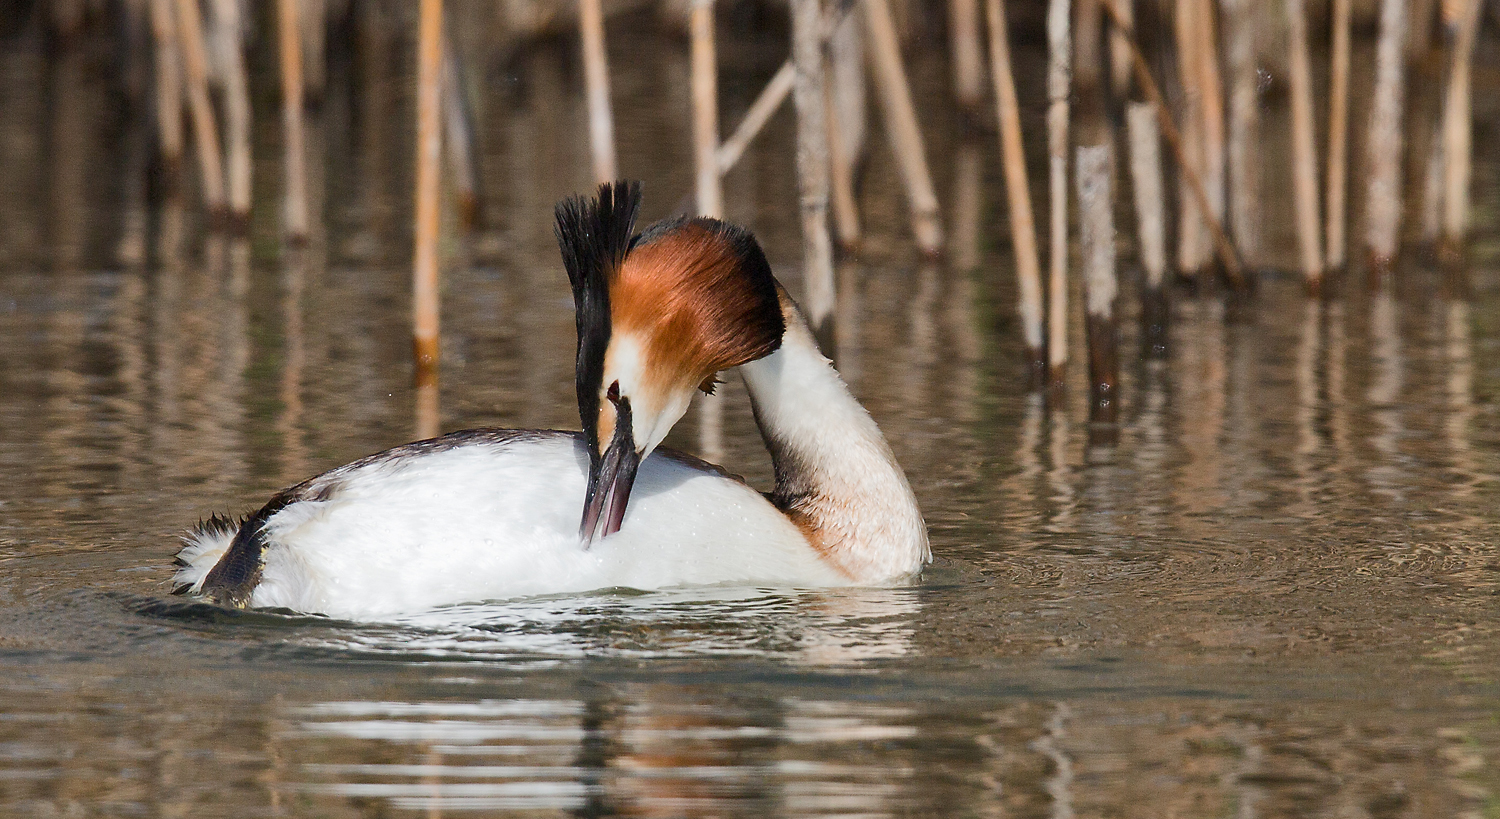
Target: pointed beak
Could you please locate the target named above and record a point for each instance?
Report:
(610, 478)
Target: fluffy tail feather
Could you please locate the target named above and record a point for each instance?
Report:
(201, 549)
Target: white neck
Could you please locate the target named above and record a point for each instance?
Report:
(835, 475)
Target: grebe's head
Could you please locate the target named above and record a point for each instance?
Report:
(659, 315)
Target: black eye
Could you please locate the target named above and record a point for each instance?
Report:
(614, 393)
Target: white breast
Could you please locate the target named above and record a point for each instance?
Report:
(498, 518)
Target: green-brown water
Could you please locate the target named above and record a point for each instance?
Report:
(1275, 596)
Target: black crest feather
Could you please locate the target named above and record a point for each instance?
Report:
(594, 236)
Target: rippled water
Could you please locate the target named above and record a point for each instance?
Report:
(1276, 595)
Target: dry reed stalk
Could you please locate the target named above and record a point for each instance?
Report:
(1059, 85)
(840, 173)
(1189, 213)
(846, 65)
(1241, 30)
(596, 80)
(1304, 152)
(229, 35)
(458, 139)
(964, 54)
(1383, 199)
(1151, 222)
(1228, 256)
(709, 192)
(1096, 240)
(429, 156)
(1119, 52)
(1338, 137)
(289, 32)
(168, 89)
(313, 16)
(705, 92)
(901, 126)
(1211, 85)
(771, 97)
(205, 128)
(1458, 138)
(1018, 194)
(812, 168)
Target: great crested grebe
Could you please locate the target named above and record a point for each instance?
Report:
(490, 514)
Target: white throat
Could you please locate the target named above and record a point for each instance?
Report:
(835, 474)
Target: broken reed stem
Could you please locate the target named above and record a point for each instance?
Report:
(1018, 193)
(771, 97)
(1059, 85)
(1304, 152)
(1119, 53)
(1383, 199)
(1211, 85)
(1458, 137)
(1144, 136)
(1338, 136)
(1096, 240)
(812, 168)
(840, 172)
(429, 156)
(1228, 255)
(704, 88)
(964, 55)
(596, 81)
(705, 92)
(290, 33)
(168, 89)
(846, 66)
(901, 126)
(229, 35)
(1240, 40)
(458, 138)
(205, 128)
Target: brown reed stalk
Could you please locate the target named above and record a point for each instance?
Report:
(168, 89)
(1228, 255)
(1018, 194)
(229, 35)
(1059, 86)
(1096, 240)
(964, 57)
(705, 93)
(1241, 30)
(596, 81)
(425, 315)
(1119, 53)
(1383, 199)
(1189, 213)
(1211, 84)
(901, 126)
(1338, 137)
(1144, 136)
(205, 127)
(846, 65)
(289, 30)
(1458, 138)
(1304, 152)
(812, 168)
(840, 173)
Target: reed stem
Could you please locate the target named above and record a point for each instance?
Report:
(1338, 137)
(1018, 194)
(425, 308)
(808, 94)
(1458, 137)
(290, 34)
(205, 127)
(1096, 240)
(1151, 222)
(1304, 152)
(229, 34)
(1059, 85)
(901, 126)
(964, 56)
(596, 81)
(1385, 141)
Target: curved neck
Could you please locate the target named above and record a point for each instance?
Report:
(835, 475)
